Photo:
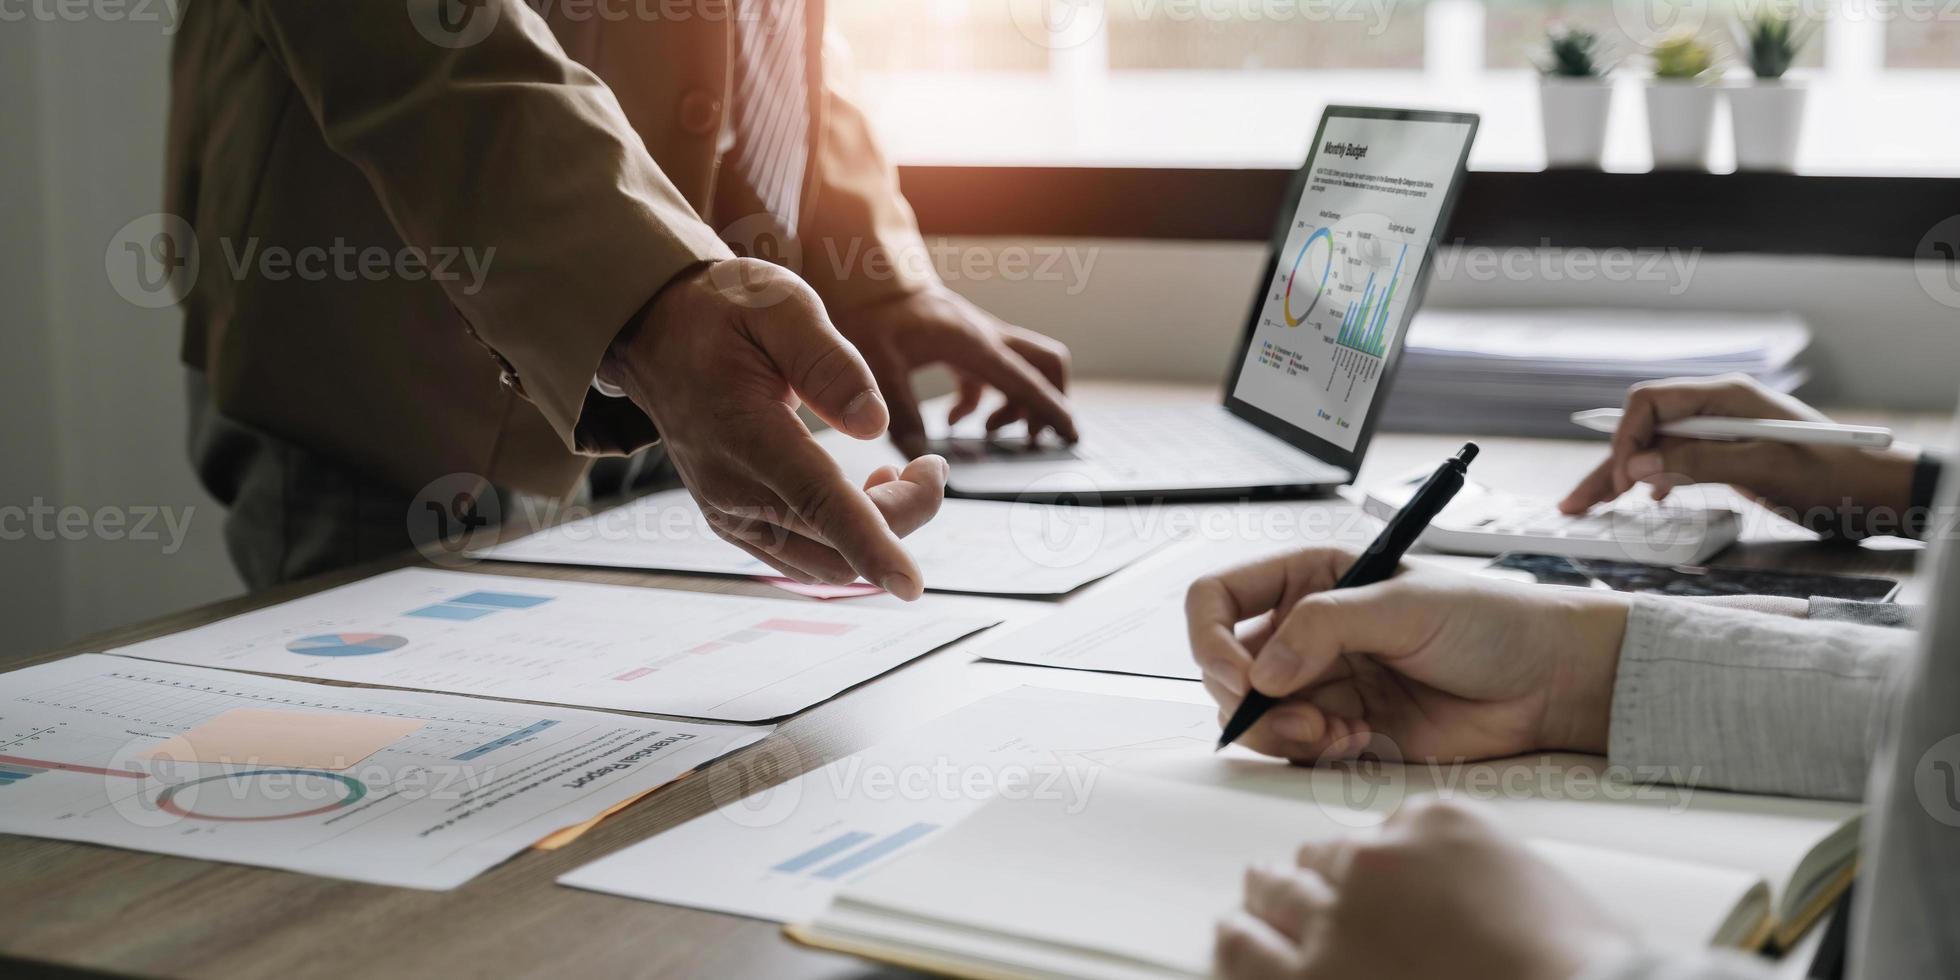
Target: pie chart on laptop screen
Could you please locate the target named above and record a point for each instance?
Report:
(346, 644)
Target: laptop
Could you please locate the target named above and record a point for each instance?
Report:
(1351, 253)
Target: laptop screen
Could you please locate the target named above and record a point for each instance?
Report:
(1347, 274)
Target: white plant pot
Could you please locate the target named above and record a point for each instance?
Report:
(1680, 123)
(1573, 112)
(1768, 118)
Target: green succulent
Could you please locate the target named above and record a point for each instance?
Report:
(1572, 53)
(1772, 39)
(1682, 55)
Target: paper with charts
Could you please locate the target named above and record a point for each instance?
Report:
(782, 853)
(971, 546)
(729, 658)
(388, 787)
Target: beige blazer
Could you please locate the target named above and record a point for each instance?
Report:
(582, 146)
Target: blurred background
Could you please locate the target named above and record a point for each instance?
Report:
(1002, 91)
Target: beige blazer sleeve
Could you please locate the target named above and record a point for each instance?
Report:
(483, 133)
(861, 243)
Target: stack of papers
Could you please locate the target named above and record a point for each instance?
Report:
(1524, 372)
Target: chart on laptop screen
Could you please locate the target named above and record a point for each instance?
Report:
(1345, 278)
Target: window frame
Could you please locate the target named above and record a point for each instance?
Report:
(1760, 213)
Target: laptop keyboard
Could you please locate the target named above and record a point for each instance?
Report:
(1142, 442)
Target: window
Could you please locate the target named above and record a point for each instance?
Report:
(1240, 83)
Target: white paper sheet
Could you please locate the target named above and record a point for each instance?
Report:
(971, 546)
(730, 658)
(1136, 630)
(469, 786)
(1133, 626)
(781, 854)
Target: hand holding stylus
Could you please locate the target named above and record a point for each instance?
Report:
(1828, 484)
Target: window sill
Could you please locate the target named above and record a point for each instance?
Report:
(1776, 214)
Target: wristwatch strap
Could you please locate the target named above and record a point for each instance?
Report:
(1926, 472)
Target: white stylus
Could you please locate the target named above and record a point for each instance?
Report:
(1726, 429)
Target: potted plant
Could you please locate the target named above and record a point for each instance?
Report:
(1767, 111)
(1574, 95)
(1680, 107)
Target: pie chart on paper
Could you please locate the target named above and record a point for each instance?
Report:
(346, 644)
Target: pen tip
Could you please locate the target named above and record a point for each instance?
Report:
(1467, 453)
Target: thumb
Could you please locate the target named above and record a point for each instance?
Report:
(910, 498)
(820, 366)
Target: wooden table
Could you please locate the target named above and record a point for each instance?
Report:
(94, 909)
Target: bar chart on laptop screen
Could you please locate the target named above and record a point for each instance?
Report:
(1345, 275)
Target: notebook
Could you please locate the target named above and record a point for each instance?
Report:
(1128, 879)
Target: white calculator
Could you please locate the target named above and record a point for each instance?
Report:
(1482, 521)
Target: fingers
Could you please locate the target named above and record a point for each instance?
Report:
(782, 549)
(1007, 415)
(819, 364)
(1288, 899)
(1329, 859)
(1215, 604)
(1653, 404)
(907, 429)
(1048, 355)
(908, 498)
(1307, 646)
(1596, 488)
(787, 569)
(793, 466)
(1028, 392)
(970, 393)
(1246, 948)
(1674, 462)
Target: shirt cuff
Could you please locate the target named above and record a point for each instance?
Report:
(1745, 701)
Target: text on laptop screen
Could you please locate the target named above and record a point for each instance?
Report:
(1345, 280)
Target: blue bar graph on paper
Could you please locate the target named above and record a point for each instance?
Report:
(511, 739)
(450, 610)
(875, 850)
(502, 600)
(822, 852)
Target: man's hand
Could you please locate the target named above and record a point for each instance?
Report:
(721, 376)
(1441, 893)
(1818, 486)
(938, 326)
(1444, 665)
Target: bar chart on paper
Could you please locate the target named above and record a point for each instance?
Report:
(853, 850)
(730, 658)
(783, 853)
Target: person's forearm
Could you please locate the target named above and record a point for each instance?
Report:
(507, 146)
(1751, 702)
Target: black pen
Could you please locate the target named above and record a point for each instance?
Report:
(1375, 564)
